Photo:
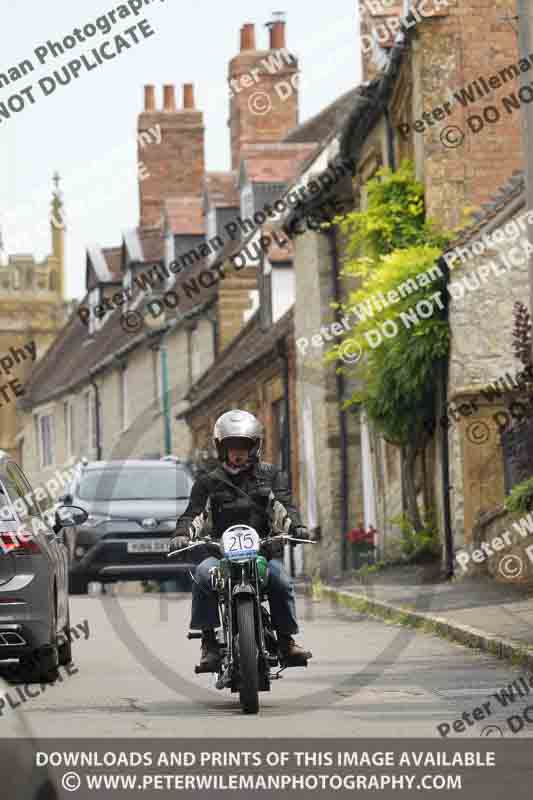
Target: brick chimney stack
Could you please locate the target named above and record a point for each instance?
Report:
(169, 98)
(380, 22)
(248, 37)
(170, 151)
(149, 98)
(277, 35)
(188, 96)
(263, 91)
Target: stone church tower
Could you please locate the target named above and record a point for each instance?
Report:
(32, 309)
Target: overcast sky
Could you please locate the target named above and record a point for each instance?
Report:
(87, 130)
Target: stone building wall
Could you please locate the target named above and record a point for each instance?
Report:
(481, 321)
(255, 389)
(470, 39)
(144, 431)
(316, 386)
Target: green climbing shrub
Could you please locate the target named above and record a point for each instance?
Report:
(393, 250)
(521, 497)
(422, 545)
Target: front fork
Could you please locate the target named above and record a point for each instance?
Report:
(226, 600)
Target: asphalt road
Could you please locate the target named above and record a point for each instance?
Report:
(367, 678)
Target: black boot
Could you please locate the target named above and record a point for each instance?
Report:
(210, 651)
(289, 650)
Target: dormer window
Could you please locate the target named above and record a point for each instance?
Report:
(211, 223)
(127, 283)
(211, 231)
(170, 256)
(95, 296)
(247, 201)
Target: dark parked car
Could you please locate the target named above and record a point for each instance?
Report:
(34, 605)
(133, 506)
(21, 777)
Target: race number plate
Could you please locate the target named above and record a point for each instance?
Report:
(240, 542)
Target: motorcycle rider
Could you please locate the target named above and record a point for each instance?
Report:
(239, 491)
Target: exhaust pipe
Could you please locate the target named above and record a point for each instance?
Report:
(11, 639)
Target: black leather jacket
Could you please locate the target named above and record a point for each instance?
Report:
(228, 507)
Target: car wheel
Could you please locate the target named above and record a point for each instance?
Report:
(77, 584)
(184, 582)
(64, 644)
(41, 666)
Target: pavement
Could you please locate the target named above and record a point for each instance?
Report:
(478, 612)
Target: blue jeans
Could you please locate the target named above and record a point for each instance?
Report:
(280, 593)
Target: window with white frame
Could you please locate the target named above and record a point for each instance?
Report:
(90, 417)
(72, 427)
(66, 424)
(67, 421)
(196, 355)
(45, 439)
(123, 397)
(87, 401)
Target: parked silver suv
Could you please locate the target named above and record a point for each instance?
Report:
(34, 606)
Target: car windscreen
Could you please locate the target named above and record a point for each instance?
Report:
(126, 483)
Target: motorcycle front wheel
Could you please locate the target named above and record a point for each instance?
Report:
(248, 660)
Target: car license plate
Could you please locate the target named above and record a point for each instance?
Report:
(149, 546)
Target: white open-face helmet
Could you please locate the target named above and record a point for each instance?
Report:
(238, 428)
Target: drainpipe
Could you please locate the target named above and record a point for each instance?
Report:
(286, 455)
(281, 348)
(525, 42)
(390, 140)
(166, 398)
(445, 448)
(158, 331)
(343, 428)
(97, 416)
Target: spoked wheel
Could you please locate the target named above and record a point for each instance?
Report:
(248, 661)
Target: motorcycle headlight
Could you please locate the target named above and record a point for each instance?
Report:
(93, 520)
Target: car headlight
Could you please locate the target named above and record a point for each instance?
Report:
(93, 520)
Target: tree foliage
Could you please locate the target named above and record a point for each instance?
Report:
(390, 247)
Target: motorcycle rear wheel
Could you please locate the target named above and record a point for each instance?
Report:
(248, 660)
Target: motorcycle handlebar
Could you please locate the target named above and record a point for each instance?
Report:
(208, 540)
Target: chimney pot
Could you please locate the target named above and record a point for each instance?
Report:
(169, 98)
(188, 95)
(277, 36)
(248, 37)
(149, 98)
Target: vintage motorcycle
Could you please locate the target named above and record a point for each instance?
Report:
(249, 647)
